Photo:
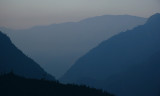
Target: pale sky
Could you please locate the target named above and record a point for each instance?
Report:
(21, 14)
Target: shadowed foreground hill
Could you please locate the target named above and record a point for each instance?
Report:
(127, 64)
(12, 59)
(11, 85)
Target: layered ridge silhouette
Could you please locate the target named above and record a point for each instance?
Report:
(127, 64)
(56, 47)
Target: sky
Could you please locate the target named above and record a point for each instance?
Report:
(22, 14)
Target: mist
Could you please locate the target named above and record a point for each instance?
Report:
(22, 14)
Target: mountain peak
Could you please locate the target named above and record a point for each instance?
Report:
(154, 19)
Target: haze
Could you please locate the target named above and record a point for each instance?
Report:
(22, 14)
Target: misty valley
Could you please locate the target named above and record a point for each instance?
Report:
(109, 55)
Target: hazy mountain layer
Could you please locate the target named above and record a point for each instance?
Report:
(56, 47)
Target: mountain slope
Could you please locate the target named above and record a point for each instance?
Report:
(140, 80)
(12, 59)
(12, 85)
(113, 59)
(56, 47)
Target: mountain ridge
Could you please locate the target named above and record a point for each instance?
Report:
(12, 59)
(48, 45)
(12, 84)
(114, 56)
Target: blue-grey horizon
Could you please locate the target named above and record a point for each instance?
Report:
(21, 14)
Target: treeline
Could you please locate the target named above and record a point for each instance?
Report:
(13, 85)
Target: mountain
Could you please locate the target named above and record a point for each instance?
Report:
(12, 59)
(139, 80)
(56, 47)
(12, 85)
(127, 64)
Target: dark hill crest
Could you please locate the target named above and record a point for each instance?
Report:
(13, 59)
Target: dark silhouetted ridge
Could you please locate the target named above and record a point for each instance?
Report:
(12, 59)
(12, 85)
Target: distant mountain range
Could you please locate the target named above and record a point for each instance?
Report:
(12, 59)
(128, 64)
(12, 85)
(56, 47)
